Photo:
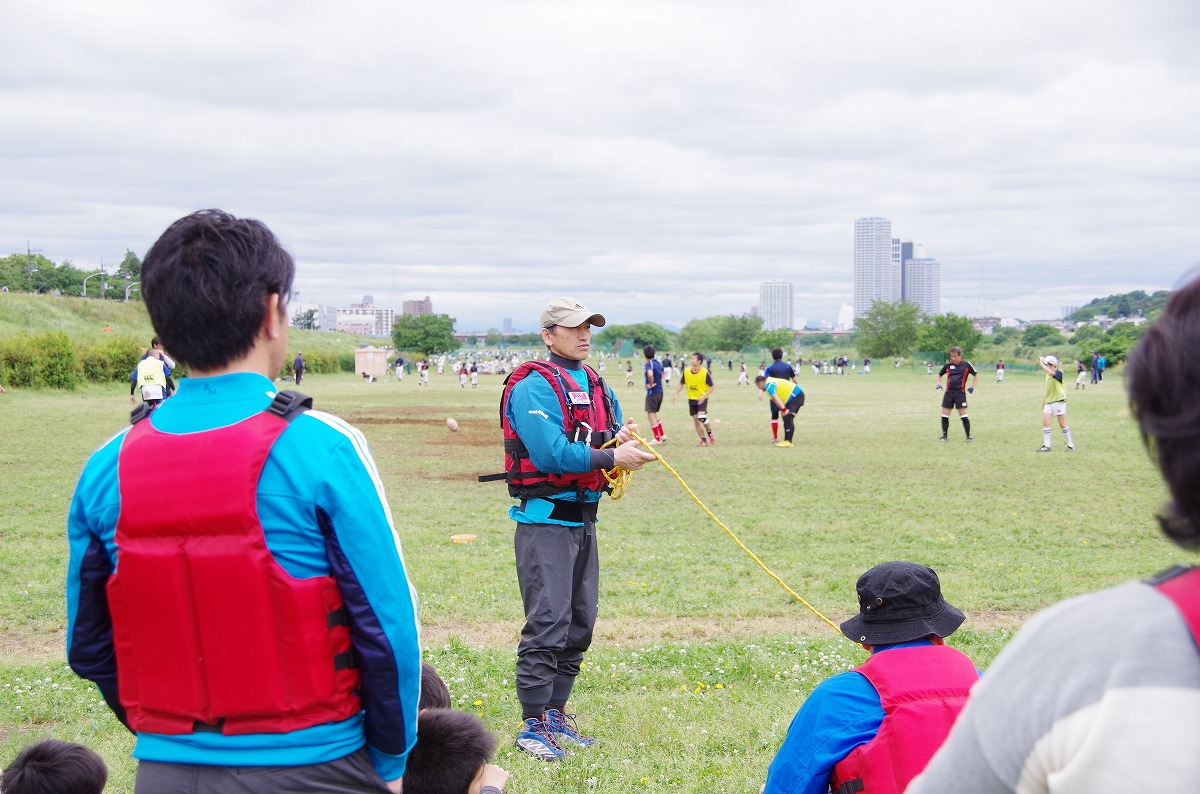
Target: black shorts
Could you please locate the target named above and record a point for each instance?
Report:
(955, 399)
(653, 402)
(697, 407)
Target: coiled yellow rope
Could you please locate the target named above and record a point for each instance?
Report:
(619, 478)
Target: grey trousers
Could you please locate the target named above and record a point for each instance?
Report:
(351, 773)
(558, 570)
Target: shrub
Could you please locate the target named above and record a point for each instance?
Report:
(45, 360)
(112, 360)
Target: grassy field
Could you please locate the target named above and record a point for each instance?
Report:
(700, 658)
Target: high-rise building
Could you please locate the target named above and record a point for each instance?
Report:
(417, 308)
(775, 304)
(876, 264)
(923, 284)
(365, 318)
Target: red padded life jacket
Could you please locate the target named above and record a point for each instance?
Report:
(922, 690)
(524, 479)
(1181, 584)
(211, 633)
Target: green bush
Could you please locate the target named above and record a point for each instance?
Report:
(112, 360)
(45, 360)
(346, 362)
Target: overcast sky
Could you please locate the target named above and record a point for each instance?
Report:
(656, 159)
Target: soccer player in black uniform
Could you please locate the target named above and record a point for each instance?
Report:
(956, 371)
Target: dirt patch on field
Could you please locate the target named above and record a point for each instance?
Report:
(22, 648)
(623, 632)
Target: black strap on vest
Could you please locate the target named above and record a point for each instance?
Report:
(287, 404)
(850, 786)
(290, 404)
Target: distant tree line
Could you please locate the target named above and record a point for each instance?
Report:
(36, 273)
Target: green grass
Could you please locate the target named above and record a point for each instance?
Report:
(700, 658)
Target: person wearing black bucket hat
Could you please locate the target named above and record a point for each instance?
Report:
(875, 727)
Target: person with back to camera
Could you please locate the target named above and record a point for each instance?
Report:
(1101, 693)
(451, 756)
(873, 728)
(55, 767)
(262, 635)
(557, 417)
(780, 370)
(654, 395)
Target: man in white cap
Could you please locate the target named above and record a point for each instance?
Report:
(557, 416)
(874, 728)
(1055, 404)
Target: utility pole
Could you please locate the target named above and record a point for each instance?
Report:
(29, 252)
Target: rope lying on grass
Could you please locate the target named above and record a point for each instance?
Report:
(619, 479)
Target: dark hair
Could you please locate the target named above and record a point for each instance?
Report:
(1163, 378)
(777, 353)
(956, 350)
(205, 282)
(699, 356)
(434, 692)
(55, 767)
(451, 747)
(154, 342)
(760, 379)
(648, 351)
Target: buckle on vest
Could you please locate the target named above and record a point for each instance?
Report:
(208, 727)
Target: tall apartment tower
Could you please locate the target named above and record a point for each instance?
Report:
(923, 282)
(775, 304)
(876, 264)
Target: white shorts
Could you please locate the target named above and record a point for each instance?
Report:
(1056, 409)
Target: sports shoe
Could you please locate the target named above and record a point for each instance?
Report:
(783, 444)
(562, 728)
(775, 441)
(1042, 448)
(703, 443)
(654, 443)
(1070, 447)
(941, 438)
(969, 439)
(535, 738)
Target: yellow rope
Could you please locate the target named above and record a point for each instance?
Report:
(619, 478)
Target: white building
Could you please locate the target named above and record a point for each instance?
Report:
(876, 264)
(923, 284)
(845, 320)
(775, 304)
(366, 319)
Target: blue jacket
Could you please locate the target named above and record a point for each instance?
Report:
(842, 713)
(536, 415)
(323, 512)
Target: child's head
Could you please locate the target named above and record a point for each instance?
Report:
(54, 767)
(452, 749)
(434, 693)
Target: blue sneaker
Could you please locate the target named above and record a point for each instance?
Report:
(562, 728)
(535, 738)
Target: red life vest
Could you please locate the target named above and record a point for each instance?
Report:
(1181, 584)
(211, 633)
(922, 690)
(593, 421)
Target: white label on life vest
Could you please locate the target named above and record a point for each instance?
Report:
(578, 398)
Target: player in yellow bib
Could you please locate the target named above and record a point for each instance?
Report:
(699, 383)
(788, 397)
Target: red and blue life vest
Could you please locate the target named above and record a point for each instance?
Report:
(922, 690)
(1181, 584)
(211, 633)
(588, 415)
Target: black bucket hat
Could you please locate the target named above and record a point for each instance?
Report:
(900, 602)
